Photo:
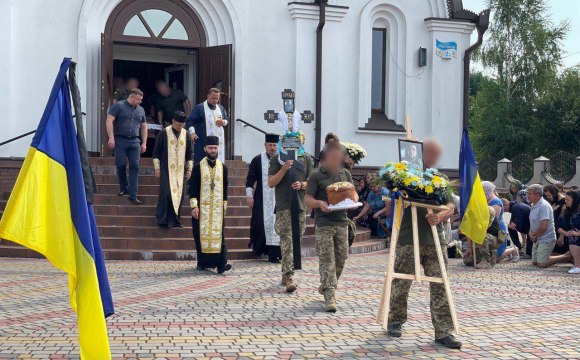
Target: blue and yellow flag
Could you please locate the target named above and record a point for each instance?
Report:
(474, 213)
(49, 213)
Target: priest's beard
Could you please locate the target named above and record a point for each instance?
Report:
(212, 156)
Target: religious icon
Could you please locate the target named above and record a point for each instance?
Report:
(288, 105)
(412, 152)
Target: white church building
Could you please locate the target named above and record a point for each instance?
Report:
(356, 72)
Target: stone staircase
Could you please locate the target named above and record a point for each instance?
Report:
(130, 232)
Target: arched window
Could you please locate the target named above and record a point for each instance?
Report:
(169, 22)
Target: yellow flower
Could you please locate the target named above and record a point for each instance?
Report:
(407, 181)
(429, 189)
(400, 166)
(437, 180)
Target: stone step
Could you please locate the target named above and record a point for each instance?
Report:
(149, 210)
(363, 245)
(155, 232)
(110, 199)
(111, 179)
(148, 162)
(149, 170)
(130, 220)
(113, 189)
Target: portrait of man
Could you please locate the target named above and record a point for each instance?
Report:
(412, 152)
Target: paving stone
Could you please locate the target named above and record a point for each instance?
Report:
(168, 310)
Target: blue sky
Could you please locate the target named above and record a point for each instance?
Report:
(559, 10)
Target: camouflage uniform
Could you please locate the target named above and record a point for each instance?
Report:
(283, 227)
(487, 251)
(332, 249)
(404, 263)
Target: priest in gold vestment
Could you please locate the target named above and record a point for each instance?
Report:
(208, 196)
(173, 162)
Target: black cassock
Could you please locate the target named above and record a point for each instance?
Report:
(204, 260)
(165, 212)
(257, 231)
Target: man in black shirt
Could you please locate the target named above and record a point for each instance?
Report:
(125, 121)
(169, 102)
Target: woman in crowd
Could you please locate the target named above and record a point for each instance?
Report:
(374, 202)
(497, 205)
(514, 188)
(556, 199)
(568, 227)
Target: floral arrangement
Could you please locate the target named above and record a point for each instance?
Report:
(354, 151)
(429, 185)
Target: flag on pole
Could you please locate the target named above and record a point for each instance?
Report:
(473, 204)
(48, 212)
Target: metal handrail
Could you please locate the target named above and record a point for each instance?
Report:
(23, 135)
(252, 126)
(264, 132)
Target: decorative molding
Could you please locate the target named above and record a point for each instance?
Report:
(448, 25)
(310, 11)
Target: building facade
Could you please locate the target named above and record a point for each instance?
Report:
(373, 70)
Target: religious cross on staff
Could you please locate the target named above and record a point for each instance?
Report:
(400, 205)
(290, 145)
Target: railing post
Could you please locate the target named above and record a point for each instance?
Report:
(501, 181)
(541, 165)
(576, 179)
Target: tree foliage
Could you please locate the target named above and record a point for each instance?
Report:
(525, 103)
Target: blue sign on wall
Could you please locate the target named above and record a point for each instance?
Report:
(446, 50)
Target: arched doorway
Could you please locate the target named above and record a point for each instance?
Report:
(162, 40)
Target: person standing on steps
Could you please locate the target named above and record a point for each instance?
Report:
(208, 198)
(279, 179)
(208, 118)
(331, 226)
(263, 237)
(125, 122)
(173, 163)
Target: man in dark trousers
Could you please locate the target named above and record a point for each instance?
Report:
(125, 121)
(263, 237)
(173, 162)
(279, 178)
(208, 198)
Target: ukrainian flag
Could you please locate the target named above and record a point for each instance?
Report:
(473, 204)
(49, 213)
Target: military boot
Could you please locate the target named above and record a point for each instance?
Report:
(290, 285)
(329, 302)
(284, 279)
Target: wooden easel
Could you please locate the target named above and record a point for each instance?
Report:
(385, 302)
(384, 305)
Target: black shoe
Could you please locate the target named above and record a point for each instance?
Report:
(122, 192)
(227, 267)
(274, 261)
(135, 201)
(450, 342)
(395, 330)
(200, 268)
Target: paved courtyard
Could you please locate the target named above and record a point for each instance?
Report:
(168, 310)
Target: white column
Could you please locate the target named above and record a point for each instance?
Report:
(6, 82)
(540, 165)
(446, 84)
(305, 18)
(501, 181)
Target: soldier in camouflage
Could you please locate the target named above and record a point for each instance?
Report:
(279, 178)
(331, 226)
(404, 263)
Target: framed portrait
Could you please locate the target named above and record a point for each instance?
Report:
(412, 152)
(288, 105)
